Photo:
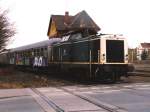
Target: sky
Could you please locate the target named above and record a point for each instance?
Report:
(31, 17)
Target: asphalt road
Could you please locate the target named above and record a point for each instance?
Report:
(125, 97)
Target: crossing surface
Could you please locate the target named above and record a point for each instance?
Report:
(128, 97)
(78, 98)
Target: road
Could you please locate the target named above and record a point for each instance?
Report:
(124, 97)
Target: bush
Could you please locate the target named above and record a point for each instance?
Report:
(144, 55)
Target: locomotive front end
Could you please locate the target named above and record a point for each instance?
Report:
(113, 56)
(114, 50)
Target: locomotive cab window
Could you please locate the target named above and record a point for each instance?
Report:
(115, 51)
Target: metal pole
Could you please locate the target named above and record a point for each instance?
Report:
(90, 65)
(98, 56)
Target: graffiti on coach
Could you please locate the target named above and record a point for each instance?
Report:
(40, 61)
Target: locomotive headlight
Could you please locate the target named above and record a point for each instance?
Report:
(126, 57)
(103, 57)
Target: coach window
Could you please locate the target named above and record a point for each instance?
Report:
(19, 54)
(11, 55)
(25, 54)
(45, 52)
(38, 52)
(16, 55)
(50, 53)
(34, 53)
(41, 52)
(22, 54)
(28, 53)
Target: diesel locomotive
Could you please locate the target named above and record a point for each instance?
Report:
(101, 56)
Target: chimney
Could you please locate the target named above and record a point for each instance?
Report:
(66, 18)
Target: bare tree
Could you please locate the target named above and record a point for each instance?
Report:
(7, 30)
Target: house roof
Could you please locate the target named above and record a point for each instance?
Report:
(83, 20)
(145, 45)
(60, 21)
(80, 21)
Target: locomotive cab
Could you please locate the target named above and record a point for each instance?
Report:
(114, 50)
(113, 57)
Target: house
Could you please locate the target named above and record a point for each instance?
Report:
(132, 55)
(62, 24)
(143, 51)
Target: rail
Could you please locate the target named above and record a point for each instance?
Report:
(107, 107)
(46, 99)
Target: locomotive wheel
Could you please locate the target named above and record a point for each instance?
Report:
(100, 75)
(114, 77)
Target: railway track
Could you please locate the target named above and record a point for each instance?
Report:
(134, 89)
(142, 70)
(47, 100)
(108, 107)
(100, 105)
(140, 73)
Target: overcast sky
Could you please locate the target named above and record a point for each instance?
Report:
(128, 17)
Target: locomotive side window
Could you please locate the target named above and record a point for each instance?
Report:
(56, 53)
(66, 52)
(80, 52)
(95, 50)
(49, 53)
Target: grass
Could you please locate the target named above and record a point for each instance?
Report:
(10, 78)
